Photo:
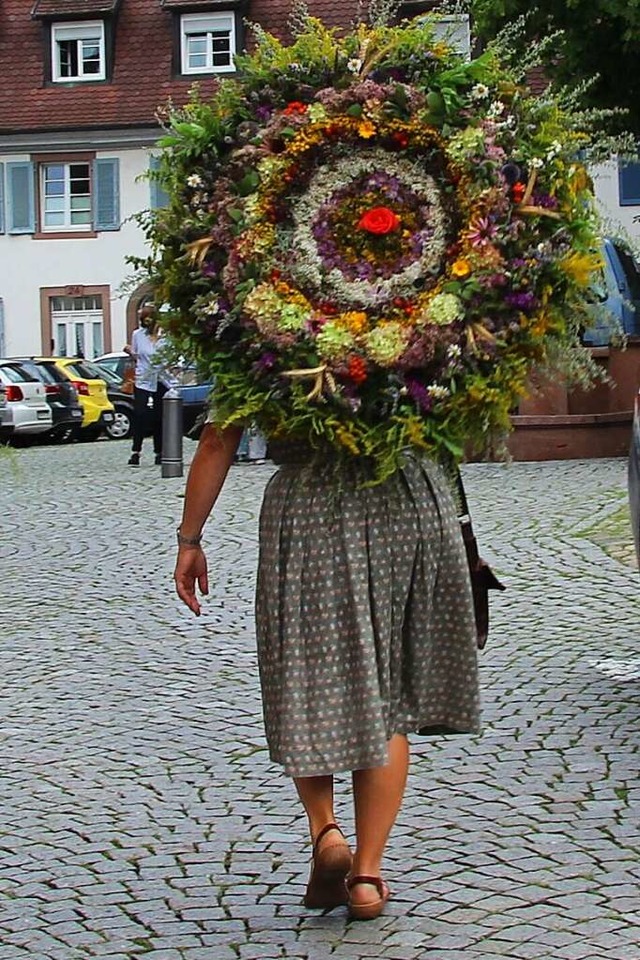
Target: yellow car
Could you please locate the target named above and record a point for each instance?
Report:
(97, 409)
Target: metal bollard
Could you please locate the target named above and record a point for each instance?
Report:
(172, 465)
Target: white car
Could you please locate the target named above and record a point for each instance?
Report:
(27, 411)
(4, 426)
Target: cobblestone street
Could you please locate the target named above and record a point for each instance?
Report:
(140, 815)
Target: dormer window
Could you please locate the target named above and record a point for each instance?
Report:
(78, 51)
(208, 42)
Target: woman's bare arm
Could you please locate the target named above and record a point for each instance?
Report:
(207, 474)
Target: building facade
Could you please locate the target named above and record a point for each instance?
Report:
(81, 82)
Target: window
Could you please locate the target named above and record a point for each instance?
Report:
(65, 191)
(75, 320)
(73, 195)
(77, 325)
(629, 183)
(78, 51)
(208, 42)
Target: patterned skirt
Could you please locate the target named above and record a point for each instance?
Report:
(364, 615)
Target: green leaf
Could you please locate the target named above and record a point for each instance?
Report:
(355, 110)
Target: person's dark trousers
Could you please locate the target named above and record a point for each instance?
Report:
(143, 417)
(157, 419)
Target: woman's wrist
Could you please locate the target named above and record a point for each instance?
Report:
(188, 541)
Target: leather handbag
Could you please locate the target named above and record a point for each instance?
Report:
(482, 576)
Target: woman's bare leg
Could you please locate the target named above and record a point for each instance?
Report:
(316, 794)
(377, 795)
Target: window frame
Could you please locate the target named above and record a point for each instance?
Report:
(210, 16)
(627, 197)
(80, 232)
(79, 26)
(47, 294)
(67, 226)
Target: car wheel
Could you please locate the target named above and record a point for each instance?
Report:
(121, 426)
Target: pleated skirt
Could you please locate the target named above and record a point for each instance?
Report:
(364, 615)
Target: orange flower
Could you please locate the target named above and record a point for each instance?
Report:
(460, 269)
(518, 192)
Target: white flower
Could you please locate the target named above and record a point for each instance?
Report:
(354, 65)
(195, 180)
(454, 351)
(537, 163)
(437, 392)
(554, 150)
(496, 109)
(479, 91)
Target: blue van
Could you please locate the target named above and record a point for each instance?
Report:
(616, 296)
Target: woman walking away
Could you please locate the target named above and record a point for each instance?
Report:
(365, 633)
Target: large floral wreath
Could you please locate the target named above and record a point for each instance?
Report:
(370, 241)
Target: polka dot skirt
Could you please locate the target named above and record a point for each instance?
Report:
(364, 615)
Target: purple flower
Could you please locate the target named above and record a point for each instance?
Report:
(265, 363)
(418, 393)
(521, 301)
(544, 200)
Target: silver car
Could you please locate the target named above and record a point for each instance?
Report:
(26, 409)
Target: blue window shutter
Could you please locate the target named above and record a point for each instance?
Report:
(106, 194)
(21, 207)
(1, 197)
(629, 182)
(158, 195)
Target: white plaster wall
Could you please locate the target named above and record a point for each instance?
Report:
(617, 220)
(26, 264)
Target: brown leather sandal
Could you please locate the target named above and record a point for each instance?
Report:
(326, 888)
(369, 909)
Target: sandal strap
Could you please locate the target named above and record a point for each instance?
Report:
(376, 882)
(325, 830)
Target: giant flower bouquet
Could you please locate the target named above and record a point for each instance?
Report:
(371, 241)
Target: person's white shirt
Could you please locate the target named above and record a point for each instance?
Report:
(148, 373)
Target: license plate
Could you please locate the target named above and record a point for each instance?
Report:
(76, 413)
(43, 414)
(107, 417)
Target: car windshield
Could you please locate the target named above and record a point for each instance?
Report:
(91, 371)
(14, 373)
(50, 372)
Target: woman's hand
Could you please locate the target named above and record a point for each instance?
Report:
(191, 566)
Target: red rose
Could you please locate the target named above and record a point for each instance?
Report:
(295, 108)
(379, 220)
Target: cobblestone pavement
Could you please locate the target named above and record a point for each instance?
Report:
(141, 816)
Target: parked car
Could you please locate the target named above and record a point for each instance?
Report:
(120, 393)
(616, 296)
(27, 413)
(61, 396)
(5, 431)
(97, 410)
(194, 393)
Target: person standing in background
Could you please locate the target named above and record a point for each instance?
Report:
(150, 385)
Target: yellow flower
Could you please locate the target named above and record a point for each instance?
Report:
(580, 267)
(356, 322)
(366, 129)
(460, 269)
(415, 434)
